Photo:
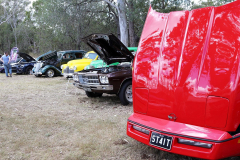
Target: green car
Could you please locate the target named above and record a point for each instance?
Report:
(49, 63)
(100, 64)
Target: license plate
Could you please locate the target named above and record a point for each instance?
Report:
(87, 89)
(161, 141)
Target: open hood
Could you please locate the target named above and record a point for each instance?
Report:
(48, 55)
(187, 67)
(109, 48)
(27, 57)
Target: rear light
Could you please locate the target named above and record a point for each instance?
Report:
(194, 143)
(141, 129)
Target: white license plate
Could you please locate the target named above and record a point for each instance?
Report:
(161, 141)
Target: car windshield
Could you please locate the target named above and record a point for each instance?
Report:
(90, 55)
(23, 60)
(19, 60)
(59, 55)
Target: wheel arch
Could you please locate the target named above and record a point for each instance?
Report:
(124, 81)
(28, 66)
(56, 70)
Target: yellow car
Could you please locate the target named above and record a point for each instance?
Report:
(78, 64)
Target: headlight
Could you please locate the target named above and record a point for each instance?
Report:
(75, 68)
(104, 79)
(61, 67)
(86, 67)
(194, 143)
(91, 67)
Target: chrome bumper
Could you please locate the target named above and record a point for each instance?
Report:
(90, 87)
(67, 74)
(37, 73)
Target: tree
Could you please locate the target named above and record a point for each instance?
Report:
(4, 16)
(136, 13)
(121, 9)
(166, 6)
(208, 3)
(16, 11)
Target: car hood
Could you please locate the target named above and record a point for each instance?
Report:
(187, 67)
(48, 55)
(109, 48)
(27, 57)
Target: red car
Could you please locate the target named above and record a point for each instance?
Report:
(186, 82)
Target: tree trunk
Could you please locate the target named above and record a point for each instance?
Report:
(131, 26)
(79, 36)
(121, 8)
(123, 21)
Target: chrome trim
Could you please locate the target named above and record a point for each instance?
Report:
(37, 73)
(96, 87)
(67, 74)
(88, 79)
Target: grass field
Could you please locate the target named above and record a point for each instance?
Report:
(40, 119)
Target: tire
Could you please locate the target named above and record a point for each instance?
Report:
(125, 94)
(28, 70)
(93, 94)
(50, 73)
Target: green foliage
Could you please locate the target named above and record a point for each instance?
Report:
(138, 14)
(60, 24)
(166, 6)
(211, 3)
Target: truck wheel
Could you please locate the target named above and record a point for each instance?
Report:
(28, 70)
(93, 94)
(50, 73)
(125, 94)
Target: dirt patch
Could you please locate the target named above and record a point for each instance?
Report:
(41, 119)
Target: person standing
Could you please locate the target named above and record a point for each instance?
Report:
(6, 62)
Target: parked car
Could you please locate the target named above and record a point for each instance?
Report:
(100, 63)
(23, 64)
(25, 67)
(114, 79)
(78, 65)
(186, 82)
(49, 63)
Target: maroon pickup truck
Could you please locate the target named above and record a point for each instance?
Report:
(112, 79)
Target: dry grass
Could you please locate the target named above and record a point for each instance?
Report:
(37, 121)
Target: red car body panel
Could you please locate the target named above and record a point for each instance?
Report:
(187, 66)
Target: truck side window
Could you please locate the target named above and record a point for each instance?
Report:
(72, 56)
(78, 55)
(67, 56)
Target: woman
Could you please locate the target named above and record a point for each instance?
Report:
(6, 62)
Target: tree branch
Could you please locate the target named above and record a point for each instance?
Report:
(107, 1)
(5, 20)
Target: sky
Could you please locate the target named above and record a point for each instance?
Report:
(196, 1)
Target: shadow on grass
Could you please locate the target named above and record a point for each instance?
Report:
(106, 101)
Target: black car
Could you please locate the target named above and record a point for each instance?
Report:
(25, 67)
(23, 64)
